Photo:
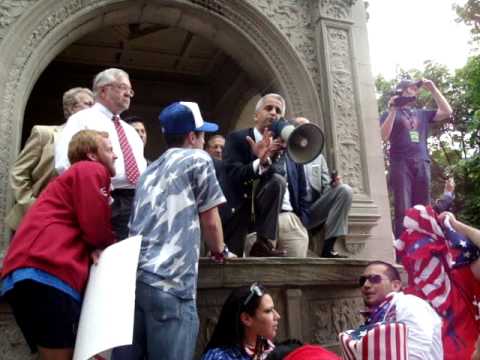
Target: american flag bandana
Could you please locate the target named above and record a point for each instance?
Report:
(463, 251)
(380, 341)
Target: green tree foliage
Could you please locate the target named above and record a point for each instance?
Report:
(469, 13)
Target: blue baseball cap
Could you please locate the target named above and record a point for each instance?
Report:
(182, 117)
(405, 83)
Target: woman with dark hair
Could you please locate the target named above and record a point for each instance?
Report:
(246, 327)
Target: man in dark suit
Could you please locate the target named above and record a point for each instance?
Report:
(253, 165)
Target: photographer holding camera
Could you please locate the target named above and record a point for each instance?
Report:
(406, 127)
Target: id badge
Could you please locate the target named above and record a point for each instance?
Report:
(414, 136)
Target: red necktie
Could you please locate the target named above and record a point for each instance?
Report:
(131, 168)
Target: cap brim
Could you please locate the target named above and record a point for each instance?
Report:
(208, 127)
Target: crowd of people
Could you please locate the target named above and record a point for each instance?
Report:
(82, 186)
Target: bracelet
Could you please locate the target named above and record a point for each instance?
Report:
(219, 257)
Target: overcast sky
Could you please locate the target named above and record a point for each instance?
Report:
(403, 34)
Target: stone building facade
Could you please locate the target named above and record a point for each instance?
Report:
(314, 52)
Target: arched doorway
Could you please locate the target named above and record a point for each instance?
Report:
(263, 56)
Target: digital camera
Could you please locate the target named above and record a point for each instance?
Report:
(403, 100)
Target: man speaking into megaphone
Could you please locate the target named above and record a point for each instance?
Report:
(252, 160)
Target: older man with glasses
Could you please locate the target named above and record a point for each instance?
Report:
(113, 93)
(393, 318)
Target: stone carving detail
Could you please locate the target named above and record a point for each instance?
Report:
(338, 9)
(10, 10)
(354, 247)
(293, 18)
(344, 107)
(252, 28)
(211, 5)
(330, 317)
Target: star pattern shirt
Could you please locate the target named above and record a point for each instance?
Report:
(170, 195)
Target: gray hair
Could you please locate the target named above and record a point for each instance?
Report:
(262, 100)
(70, 99)
(107, 77)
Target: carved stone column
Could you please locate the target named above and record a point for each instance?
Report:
(345, 112)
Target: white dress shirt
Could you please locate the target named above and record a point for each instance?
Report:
(423, 324)
(99, 118)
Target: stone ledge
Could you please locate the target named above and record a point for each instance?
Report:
(285, 272)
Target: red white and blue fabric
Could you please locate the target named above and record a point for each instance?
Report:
(436, 260)
(131, 167)
(378, 341)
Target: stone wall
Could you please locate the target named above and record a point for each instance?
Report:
(316, 299)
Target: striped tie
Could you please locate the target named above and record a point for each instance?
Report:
(131, 168)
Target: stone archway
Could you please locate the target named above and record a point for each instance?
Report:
(45, 28)
(315, 52)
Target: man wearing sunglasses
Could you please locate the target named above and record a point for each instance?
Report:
(385, 303)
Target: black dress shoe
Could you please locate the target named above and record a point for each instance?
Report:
(334, 255)
(264, 249)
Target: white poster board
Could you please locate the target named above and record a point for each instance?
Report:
(108, 307)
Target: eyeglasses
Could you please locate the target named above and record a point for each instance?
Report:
(373, 279)
(254, 290)
(123, 87)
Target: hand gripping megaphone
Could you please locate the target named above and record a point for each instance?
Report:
(304, 142)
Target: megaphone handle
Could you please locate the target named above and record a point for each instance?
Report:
(333, 177)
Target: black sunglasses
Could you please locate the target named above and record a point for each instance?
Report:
(373, 279)
(254, 290)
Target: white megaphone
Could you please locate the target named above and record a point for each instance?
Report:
(304, 142)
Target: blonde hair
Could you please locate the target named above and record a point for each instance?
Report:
(70, 99)
(83, 143)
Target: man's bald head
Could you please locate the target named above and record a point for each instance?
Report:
(301, 120)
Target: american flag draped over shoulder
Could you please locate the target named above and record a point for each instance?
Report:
(423, 252)
(377, 341)
(429, 253)
(435, 259)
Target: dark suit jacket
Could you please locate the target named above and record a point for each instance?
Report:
(297, 187)
(238, 159)
(226, 210)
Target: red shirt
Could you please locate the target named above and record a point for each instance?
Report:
(69, 220)
(462, 330)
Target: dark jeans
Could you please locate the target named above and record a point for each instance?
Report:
(121, 210)
(410, 183)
